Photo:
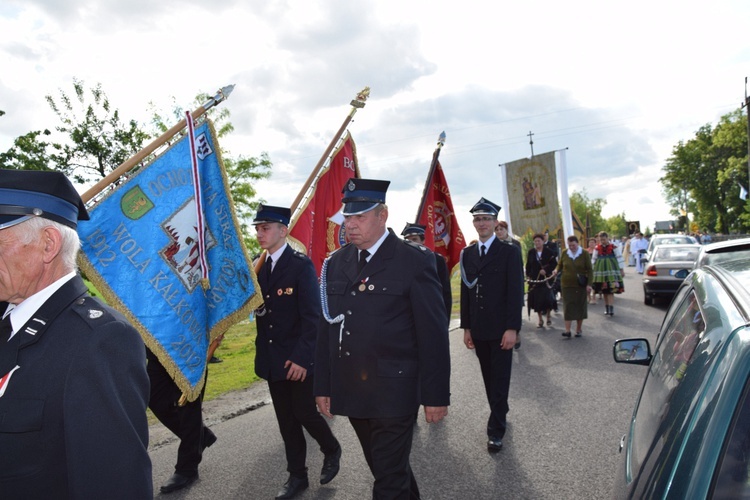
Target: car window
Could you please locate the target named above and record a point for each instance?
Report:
(733, 480)
(669, 386)
(715, 258)
(673, 253)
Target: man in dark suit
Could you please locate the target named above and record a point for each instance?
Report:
(383, 345)
(285, 348)
(415, 234)
(73, 383)
(491, 302)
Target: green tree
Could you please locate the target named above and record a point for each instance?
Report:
(584, 206)
(96, 140)
(702, 177)
(617, 225)
(29, 152)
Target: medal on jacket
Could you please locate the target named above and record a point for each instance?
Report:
(362, 287)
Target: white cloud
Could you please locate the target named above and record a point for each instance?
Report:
(618, 85)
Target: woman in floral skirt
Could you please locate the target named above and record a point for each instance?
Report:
(608, 272)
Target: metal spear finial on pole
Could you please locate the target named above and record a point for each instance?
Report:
(357, 103)
(221, 95)
(433, 165)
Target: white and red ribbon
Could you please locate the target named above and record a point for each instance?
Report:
(5, 380)
(200, 222)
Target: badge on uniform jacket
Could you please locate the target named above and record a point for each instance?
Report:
(6, 380)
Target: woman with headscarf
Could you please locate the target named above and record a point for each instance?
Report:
(576, 275)
(540, 263)
(608, 272)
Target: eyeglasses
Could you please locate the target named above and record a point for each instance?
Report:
(483, 219)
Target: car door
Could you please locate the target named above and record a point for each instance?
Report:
(670, 394)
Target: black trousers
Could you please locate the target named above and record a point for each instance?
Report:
(496, 365)
(186, 422)
(295, 408)
(386, 443)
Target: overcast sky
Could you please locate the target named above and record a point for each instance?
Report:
(618, 84)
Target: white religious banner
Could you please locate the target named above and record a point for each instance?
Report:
(531, 189)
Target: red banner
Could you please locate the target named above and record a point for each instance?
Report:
(442, 235)
(319, 225)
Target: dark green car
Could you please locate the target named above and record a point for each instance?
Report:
(690, 432)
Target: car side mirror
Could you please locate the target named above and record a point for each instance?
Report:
(632, 351)
(682, 274)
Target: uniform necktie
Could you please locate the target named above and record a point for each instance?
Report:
(8, 348)
(363, 254)
(269, 265)
(482, 251)
(5, 328)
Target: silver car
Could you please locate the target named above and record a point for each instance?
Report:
(660, 275)
(723, 251)
(667, 239)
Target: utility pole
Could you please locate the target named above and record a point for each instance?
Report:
(531, 141)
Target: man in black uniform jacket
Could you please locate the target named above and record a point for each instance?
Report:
(491, 302)
(415, 233)
(285, 348)
(383, 345)
(73, 383)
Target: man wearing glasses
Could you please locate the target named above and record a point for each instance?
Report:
(491, 302)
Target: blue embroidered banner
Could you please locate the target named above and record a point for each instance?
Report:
(140, 249)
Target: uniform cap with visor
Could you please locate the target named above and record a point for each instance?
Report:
(35, 193)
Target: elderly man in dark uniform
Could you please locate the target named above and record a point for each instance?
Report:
(285, 348)
(73, 383)
(491, 303)
(383, 345)
(415, 233)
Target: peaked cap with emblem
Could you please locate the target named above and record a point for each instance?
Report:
(35, 193)
(485, 207)
(362, 195)
(413, 229)
(267, 213)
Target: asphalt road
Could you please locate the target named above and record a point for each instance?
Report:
(569, 405)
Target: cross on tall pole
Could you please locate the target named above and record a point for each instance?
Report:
(531, 143)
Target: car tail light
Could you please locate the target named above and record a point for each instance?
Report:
(651, 271)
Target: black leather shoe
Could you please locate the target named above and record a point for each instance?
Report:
(330, 466)
(178, 482)
(293, 487)
(494, 445)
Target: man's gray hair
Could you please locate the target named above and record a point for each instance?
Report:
(28, 230)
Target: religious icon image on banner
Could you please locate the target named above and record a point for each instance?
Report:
(532, 193)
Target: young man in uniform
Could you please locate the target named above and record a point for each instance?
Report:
(285, 348)
(491, 303)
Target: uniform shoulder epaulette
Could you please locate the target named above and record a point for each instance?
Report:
(299, 254)
(90, 309)
(416, 246)
(340, 248)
